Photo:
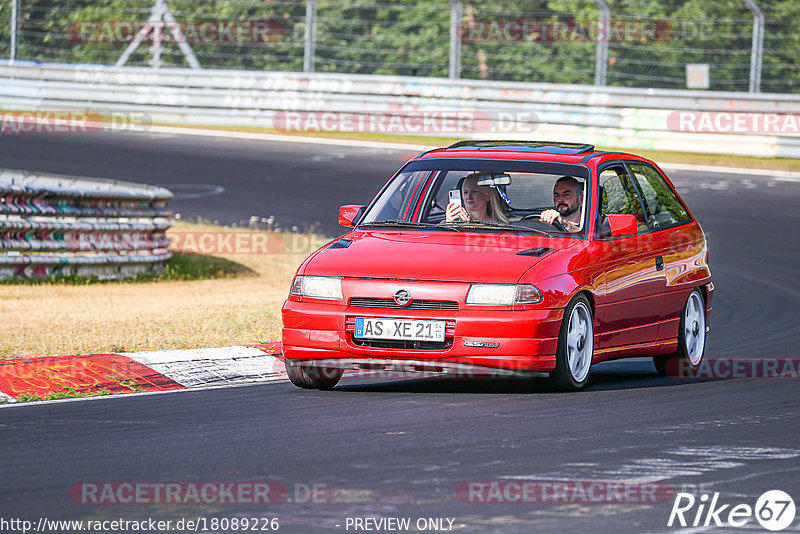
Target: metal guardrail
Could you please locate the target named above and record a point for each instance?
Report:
(615, 117)
(62, 225)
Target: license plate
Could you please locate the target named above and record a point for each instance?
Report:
(407, 329)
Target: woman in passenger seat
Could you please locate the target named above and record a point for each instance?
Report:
(481, 203)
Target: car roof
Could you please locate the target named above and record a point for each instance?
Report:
(553, 151)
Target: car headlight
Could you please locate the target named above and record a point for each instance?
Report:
(503, 294)
(319, 287)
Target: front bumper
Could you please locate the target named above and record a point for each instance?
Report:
(503, 341)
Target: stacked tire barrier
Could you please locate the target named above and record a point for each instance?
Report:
(765, 125)
(54, 225)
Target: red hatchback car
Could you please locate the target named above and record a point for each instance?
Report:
(505, 258)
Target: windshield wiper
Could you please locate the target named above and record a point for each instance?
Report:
(405, 224)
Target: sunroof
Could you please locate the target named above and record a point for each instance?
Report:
(550, 147)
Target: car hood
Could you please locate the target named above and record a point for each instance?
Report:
(435, 255)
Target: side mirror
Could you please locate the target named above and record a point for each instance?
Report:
(350, 213)
(622, 225)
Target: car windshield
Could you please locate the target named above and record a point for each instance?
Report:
(496, 195)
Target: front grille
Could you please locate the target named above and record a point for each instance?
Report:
(403, 344)
(414, 305)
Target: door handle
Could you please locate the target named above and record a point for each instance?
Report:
(659, 263)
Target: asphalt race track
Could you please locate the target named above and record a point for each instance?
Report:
(390, 448)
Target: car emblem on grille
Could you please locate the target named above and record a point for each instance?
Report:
(402, 297)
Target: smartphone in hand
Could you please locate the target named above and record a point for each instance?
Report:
(455, 197)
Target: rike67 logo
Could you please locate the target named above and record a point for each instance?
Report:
(774, 510)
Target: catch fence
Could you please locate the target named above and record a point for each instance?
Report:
(742, 45)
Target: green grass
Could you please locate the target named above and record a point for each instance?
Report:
(70, 393)
(186, 267)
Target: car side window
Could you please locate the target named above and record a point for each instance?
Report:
(396, 200)
(617, 197)
(661, 205)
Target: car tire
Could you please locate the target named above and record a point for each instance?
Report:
(691, 340)
(312, 376)
(575, 346)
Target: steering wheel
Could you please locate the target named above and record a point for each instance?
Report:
(556, 222)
